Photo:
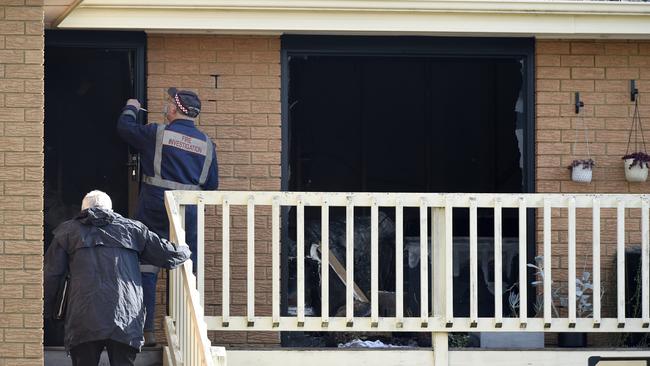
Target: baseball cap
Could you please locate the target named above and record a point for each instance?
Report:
(187, 101)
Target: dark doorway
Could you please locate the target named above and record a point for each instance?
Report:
(88, 78)
(401, 114)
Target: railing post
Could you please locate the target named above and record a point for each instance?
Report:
(438, 278)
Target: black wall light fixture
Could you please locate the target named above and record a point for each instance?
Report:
(578, 103)
(634, 91)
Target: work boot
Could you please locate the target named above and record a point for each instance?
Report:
(149, 339)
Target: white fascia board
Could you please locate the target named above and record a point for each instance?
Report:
(576, 19)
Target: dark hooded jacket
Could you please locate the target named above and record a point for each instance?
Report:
(102, 249)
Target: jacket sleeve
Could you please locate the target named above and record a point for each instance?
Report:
(134, 133)
(161, 252)
(54, 268)
(212, 182)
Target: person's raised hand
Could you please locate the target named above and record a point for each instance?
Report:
(134, 103)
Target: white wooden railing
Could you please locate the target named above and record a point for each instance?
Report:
(185, 327)
(438, 209)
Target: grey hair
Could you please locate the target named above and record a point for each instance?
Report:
(97, 199)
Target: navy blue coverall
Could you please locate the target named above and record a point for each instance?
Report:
(176, 156)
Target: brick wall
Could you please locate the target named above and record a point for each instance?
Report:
(600, 71)
(238, 80)
(21, 182)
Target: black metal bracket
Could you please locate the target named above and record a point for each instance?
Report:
(578, 103)
(634, 91)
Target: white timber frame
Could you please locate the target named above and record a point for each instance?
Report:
(435, 209)
(528, 18)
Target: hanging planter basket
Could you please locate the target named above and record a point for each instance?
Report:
(581, 169)
(636, 162)
(636, 167)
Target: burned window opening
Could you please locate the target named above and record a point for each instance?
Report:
(405, 124)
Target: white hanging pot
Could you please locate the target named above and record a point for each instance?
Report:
(581, 173)
(636, 173)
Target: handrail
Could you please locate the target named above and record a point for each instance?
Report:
(185, 327)
(436, 208)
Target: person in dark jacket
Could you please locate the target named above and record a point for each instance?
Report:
(101, 251)
(175, 155)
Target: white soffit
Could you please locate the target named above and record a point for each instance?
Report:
(543, 19)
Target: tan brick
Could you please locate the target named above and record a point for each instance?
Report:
(233, 132)
(547, 110)
(12, 56)
(242, 171)
(552, 47)
(33, 262)
(10, 350)
(251, 119)
(24, 42)
(251, 69)
(640, 61)
(24, 130)
(274, 70)
(34, 86)
(10, 291)
(23, 218)
(182, 43)
(266, 133)
(553, 72)
(236, 158)
(553, 98)
(577, 85)
(625, 73)
(587, 48)
(23, 13)
(265, 107)
(25, 71)
(612, 85)
(573, 60)
(235, 82)
(23, 277)
(12, 27)
(621, 48)
(22, 335)
(12, 85)
(251, 44)
(251, 145)
(611, 110)
(34, 27)
(34, 232)
(11, 232)
(612, 60)
(548, 85)
(23, 189)
(234, 184)
(12, 114)
(269, 82)
(34, 57)
(553, 148)
(587, 73)
(216, 43)
(23, 159)
(34, 291)
(12, 174)
(548, 136)
(234, 107)
(265, 158)
(34, 203)
(33, 321)
(251, 94)
(217, 69)
(233, 56)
